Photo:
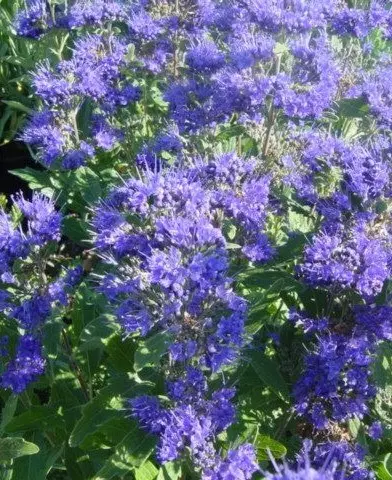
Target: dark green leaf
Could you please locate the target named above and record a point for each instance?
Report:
(18, 106)
(36, 179)
(76, 230)
(37, 467)
(132, 450)
(268, 371)
(121, 352)
(8, 411)
(96, 333)
(36, 418)
(101, 409)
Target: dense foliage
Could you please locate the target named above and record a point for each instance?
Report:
(199, 285)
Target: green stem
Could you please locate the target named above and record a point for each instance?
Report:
(75, 368)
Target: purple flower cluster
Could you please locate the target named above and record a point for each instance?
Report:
(192, 422)
(43, 226)
(35, 20)
(347, 259)
(273, 70)
(30, 301)
(26, 366)
(336, 382)
(346, 183)
(325, 461)
(348, 458)
(166, 234)
(92, 77)
(232, 60)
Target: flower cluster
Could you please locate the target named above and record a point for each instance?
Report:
(166, 234)
(351, 250)
(164, 85)
(91, 80)
(30, 300)
(336, 382)
(325, 461)
(193, 422)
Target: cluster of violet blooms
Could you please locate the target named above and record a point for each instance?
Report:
(25, 248)
(165, 237)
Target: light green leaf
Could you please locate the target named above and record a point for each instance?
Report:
(151, 350)
(265, 444)
(148, 471)
(13, 447)
(384, 470)
(169, 471)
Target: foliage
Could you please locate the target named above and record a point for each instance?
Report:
(199, 283)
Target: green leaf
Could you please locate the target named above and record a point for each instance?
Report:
(265, 444)
(96, 333)
(353, 108)
(37, 467)
(104, 407)
(151, 350)
(148, 471)
(88, 184)
(278, 279)
(267, 370)
(76, 230)
(132, 450)
(18, 106)
(121, 352)
(169, 471)
(8, 411)
(36, 418)
(292, 248)
(14, 447)
(78, 464)
(384, 470)
(36, 179)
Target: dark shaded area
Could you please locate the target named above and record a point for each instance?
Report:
(14, 155)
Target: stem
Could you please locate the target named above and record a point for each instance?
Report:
(74, 366)
(75, 125)
(270, 125)
(175, 60)
(271, 113)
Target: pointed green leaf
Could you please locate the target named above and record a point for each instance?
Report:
(36, 418)
(151, 350)
(267, 370)
(14, 447)
(265, 444)
(169, 471)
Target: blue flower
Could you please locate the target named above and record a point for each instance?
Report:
(25, 367)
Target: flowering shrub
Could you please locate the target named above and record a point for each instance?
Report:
(199, 284)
